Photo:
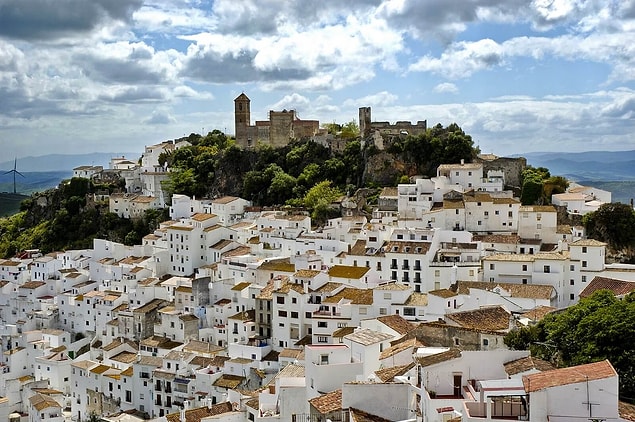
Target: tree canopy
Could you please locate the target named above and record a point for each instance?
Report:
(599, 327)
(613, 223)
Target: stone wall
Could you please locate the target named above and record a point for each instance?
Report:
(511, 167)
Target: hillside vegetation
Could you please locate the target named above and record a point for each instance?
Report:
(302, 174)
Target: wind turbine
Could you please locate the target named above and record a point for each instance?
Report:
(14, 171)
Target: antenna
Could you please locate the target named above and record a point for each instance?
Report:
(14, 171)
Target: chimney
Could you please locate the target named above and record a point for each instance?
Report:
(462, 161)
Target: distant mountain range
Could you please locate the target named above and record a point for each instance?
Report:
(590, 165)
(64, 162)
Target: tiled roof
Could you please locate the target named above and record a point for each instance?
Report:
(361, 416)
(626, 411)
(195, 415)
(42, 401)
(200, 216)
(449, 354)
(241, 286)
(537, 208)
(399, 347)
(444, 293)
(282, 264)
(388, 374)
(356, 296)
(228, 381)
(407, 247)
(511, 239)
(417, 299)
(342, 332)
(306, 273)
(249, 315)
(491, 318)
(587, 242)
(529, 291)
(290, 353)
(617, 287)
(346, 271)
(538, 313)
(572, 375)
(291, 371)
(197, 346)
(328, 287)
(396, 322)
(367, 337)
(393, 287)
(525, 364)
(329, 402)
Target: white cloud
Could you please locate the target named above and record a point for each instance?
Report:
(447, 88)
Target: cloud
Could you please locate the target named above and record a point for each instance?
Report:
(292, 102)
(160, 117)
(446, 88)
(383, 98)
(47, 20)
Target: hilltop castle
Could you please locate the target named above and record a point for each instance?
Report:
(281, 127)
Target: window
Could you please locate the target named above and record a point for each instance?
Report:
(382, 311)
(571, 267)
(322, 339)
(280, 300)
(387, 296)
(282, 314)
(584, 279)
(571, 282)
(362, 311)
(294, 300)
(409, 311)
(524, 267)
(485, 342)
(324, 359)
(491, 266)
(547, 269)
(294, 314)
(584, 264)
(322, 324)
(583, 249)
(572, 296)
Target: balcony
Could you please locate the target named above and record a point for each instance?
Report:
(326, 313)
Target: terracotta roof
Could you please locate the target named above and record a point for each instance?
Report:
(198, 346)
(491, 318)
(444, 293)
(572, 375)
(42, 401)
(538, 313)
(241, 286)
(617, 287)
(199, 216)
(328, 287)
(407, 247)
(529, 291)
(346, 271)
(388, 374)
(626, 410)
(344, 331)
(290, 353)
(306, 273)
(587, 242)
(282, 264)
(356, 296)
(497, 238)
(417, 299)
(195, 415)
(526, 364)
(400, 347)
(393, 287)
(228, 381)
(225, 199)
(449, 354)
(397, 323)
(361, 416)
(249, 315)
(327, 403)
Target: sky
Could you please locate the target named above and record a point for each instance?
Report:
(519, 76)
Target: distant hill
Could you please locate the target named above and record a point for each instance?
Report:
(65, 162)
(10, 203)
(33, 181)
(590, 165)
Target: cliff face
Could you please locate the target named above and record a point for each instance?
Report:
(383, 169)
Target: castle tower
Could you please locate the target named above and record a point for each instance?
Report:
(364, 121)
(242, 119)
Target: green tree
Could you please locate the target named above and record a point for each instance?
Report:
(318, 200)
(599, 327)
(350, 130)
(613, 223)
